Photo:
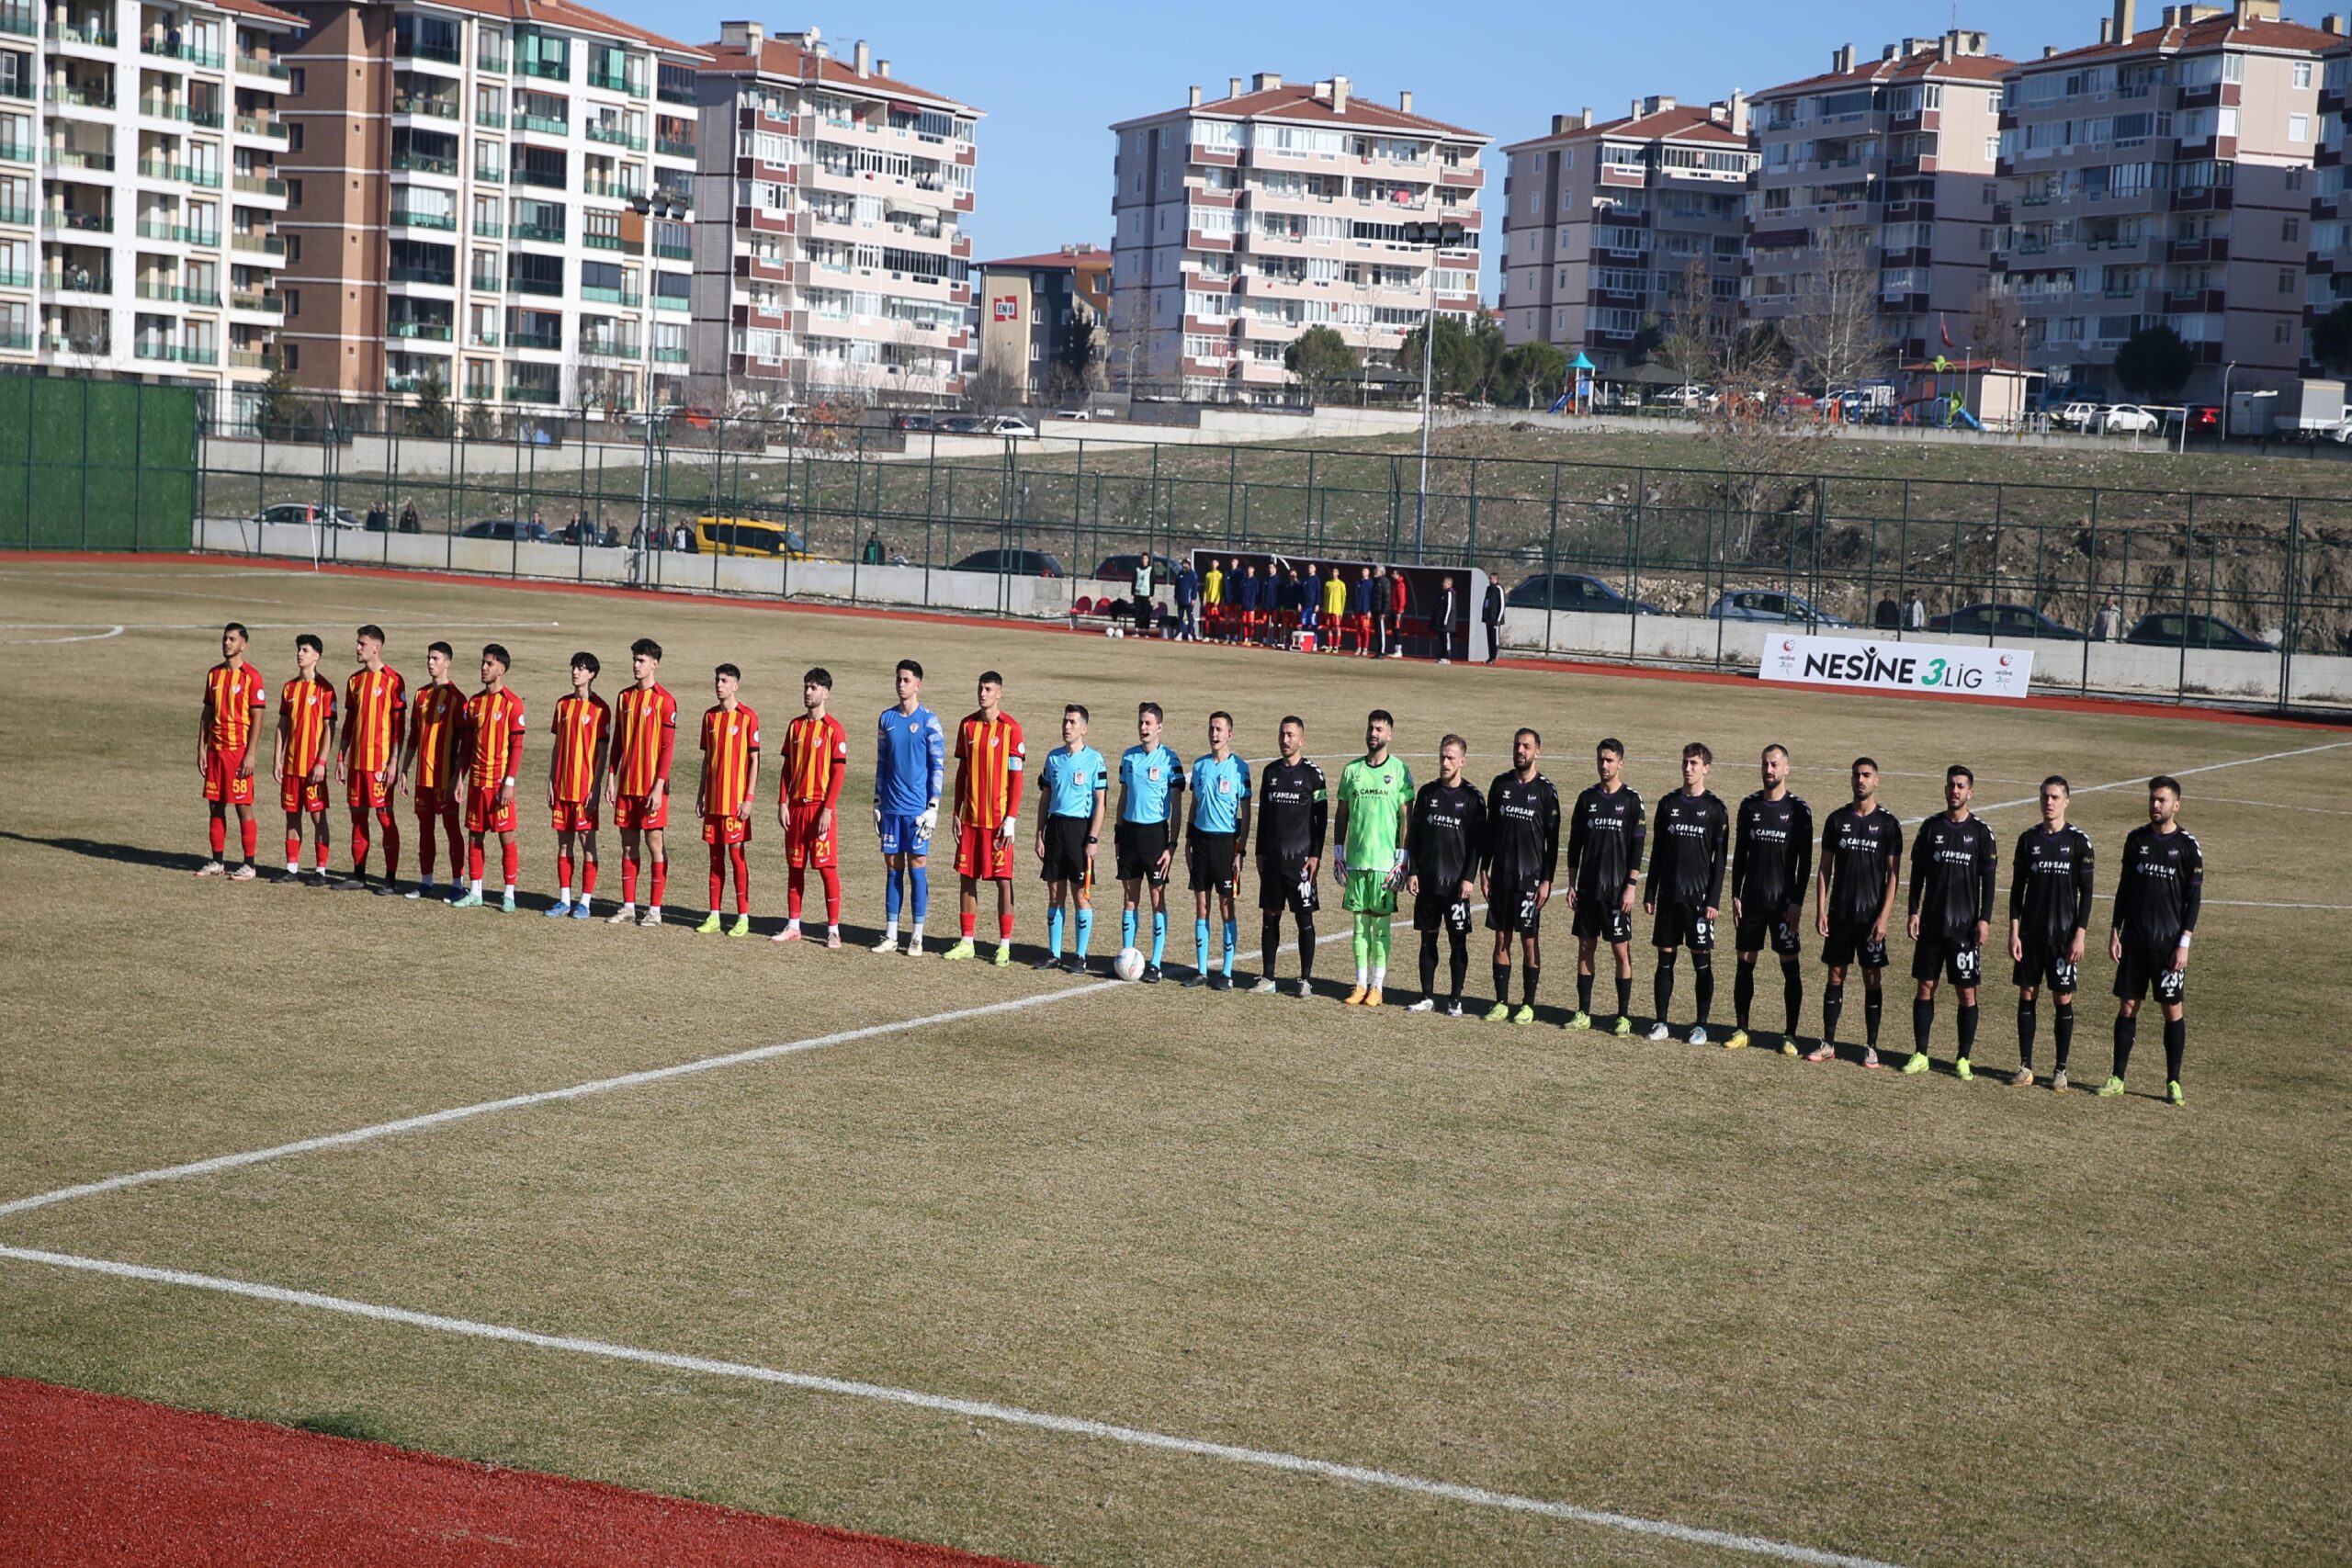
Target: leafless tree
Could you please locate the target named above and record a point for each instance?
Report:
(1835, 327)
(1996, 322)
(1695, 338)
(1764, 439)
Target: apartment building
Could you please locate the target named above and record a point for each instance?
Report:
(831, 257)
(1028, 306)
(2164, 176)
(1241, 223)
(139, 145)
(491, 194)
(2328, 265)
(1897, 155)
(1604, 222)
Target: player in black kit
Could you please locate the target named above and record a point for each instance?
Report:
(1955, 864)
(2156, 898)
(1292, 813)
(2050, 904)
(1862, 859)
(1688, 840)
(1516, 863)
(1771, 861)
(1442, 848)
(1605, 836)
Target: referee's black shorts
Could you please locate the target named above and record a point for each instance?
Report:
(1139, 846)
(1065, 851)
(1208, 862)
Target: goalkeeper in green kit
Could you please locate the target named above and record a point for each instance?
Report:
(1375, 799)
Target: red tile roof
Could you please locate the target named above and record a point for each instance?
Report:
(1296, 101)
(1922, 65)
(781, 56)
(566, 14)
(260, 11)
(2220, 31)
(1685, 122)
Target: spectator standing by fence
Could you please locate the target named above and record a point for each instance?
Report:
(1491, 613)
(1143, 594)
(1382, 624)
(1399, 602)
(2106, 625)
(410, 522)
(1914, 613)
(1188, 596)
(1447, 610)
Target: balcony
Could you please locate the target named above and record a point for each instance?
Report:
(616, 135)
(609, 346)
(538, 286)
(439, 53)
(174, 294)
(495, 172)
(18, 152)
(491, 119)
(22, 342)
(483, 337)
(429, 331)
(184, 174)
(20, 20)
(495, 64)
(630, 298)
(264, 245)
(90, 37)
(542, 124)
(417, 219)
(163, 49)
(251, 299)
(671, 147)
(254, 65)
(675, 95)
(11, 214)
(16, 280)
(606, 82)
(84, 222)
(259, 185)
(671, 302)
(666, 355)
(430, 107)
(412, 382)
(249, 125)
(596, 241)
(74, 158)
(541, 233)
(77, 280)
(669, 252)
(251, 359)
(424, 164)
(483, 282)
(179, 353)
(515, 394)
(431, 276)
(551, 70)
(489, 229)
(611, 190)
(78, 97)
(544, 341)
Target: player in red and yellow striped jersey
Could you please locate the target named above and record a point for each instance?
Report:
(815, 760)
(375, 711)
(730, 778)
(645, 738)
(429, 765)
(990, 758)
(305, 736)
(491, 740)
(583, 730)
(227, 729)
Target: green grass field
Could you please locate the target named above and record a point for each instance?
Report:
(1914, 1320)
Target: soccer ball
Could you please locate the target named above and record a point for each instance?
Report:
(1128, 965)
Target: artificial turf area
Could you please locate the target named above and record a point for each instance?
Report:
(1908, 1319)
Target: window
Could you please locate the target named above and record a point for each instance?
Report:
(2291, 228)
(294, 79)
(2286, 280)
(2302, 74)
(293, 193)
(2281, 332)
(1992, 148)
(2298, 126)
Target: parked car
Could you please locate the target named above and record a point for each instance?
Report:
(2339, 433)
(2173, 629)
(501, 528)
(749, 536)
(2129, 419)
(307, 514)
(2204, 418)
(1121, 569)
(1012, 563)
(1074, 413)
(1772, 604)
(1682, 397)
(2003, 620)
(962, 425)
(2075, 415)
(1574, 591)
(1007, 425)
(911, 422)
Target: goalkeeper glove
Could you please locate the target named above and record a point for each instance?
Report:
(927, 822)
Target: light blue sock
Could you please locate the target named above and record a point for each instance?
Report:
(1201, 945)
(1159, 935)
(891, 893)
(1054, 931)
(1232, 930)
(1085, 928)
(1126, 928)
(921, 875)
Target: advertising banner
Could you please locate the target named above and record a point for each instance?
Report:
(1935, 669)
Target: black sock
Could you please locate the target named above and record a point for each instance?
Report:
(2176, 1047)
(1662, 985)
(2127, 1025)
(1967, 1030)
(1528, 974)
(1702, 982)
(1923, 1021)
(1460, 962)
(1269, 942)
(1502, 981)
(1584, 992)
(1743, 994)
(1833, 1002)
(2065, 1030)
(2025, 1033)
(1624, 994)
(1306, 947)
(1429, 963)
(1873, 1009)
(1792, 993)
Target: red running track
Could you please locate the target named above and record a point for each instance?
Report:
(93, 1481)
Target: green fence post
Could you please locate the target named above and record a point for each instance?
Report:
(2187, 569)
(1232, 475)
(1551, 559)
(2291, 614)
(138, 466)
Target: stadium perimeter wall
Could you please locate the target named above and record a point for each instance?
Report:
(2059, 667)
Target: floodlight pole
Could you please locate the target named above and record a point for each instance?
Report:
(1435, 236)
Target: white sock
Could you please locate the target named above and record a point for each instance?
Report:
(567, 897)
(477, 886)
(654, 910)
(1379, 977)
(915, 933)
(629, 907)
(510, 890)
(585, 900)
(1363, 975)
(792, 923)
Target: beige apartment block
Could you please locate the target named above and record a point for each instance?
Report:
(2329, 262)
(831, 257)
(139, 183)
(492, 195)
(1028, 306)
(2164, 176)
(1241, 223)
(1897, 154)
(1604, 222)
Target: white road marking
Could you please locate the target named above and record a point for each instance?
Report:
(968, 1409)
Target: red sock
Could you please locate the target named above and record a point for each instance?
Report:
(971, 919)
(742, 879)
(473, 862)
(588, 873)
(629, 879)
(358, 841)
(795, 880)
(220, 837)
(1004, 925)
(833, 894)
(718, 875)
(392, 826)
(250, 831)
(294, 850)
(563, 870)
(514, 858)
(319, 847)
(660, 879)
(425, 843)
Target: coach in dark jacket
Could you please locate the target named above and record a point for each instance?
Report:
(1442, 614)
(1492, 614)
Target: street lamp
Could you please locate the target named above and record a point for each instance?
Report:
(647, 206)
(1435, 236)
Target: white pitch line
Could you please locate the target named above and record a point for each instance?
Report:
(257, 626)
(2035, 799)
(969, 1409)
(111, 631)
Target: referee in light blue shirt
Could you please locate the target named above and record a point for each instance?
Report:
(1074, 781)
(1150, 777)
(1212, 851)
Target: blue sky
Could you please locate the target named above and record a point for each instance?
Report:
(1051, 78)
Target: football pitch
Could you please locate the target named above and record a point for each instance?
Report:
(1090, 1273)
